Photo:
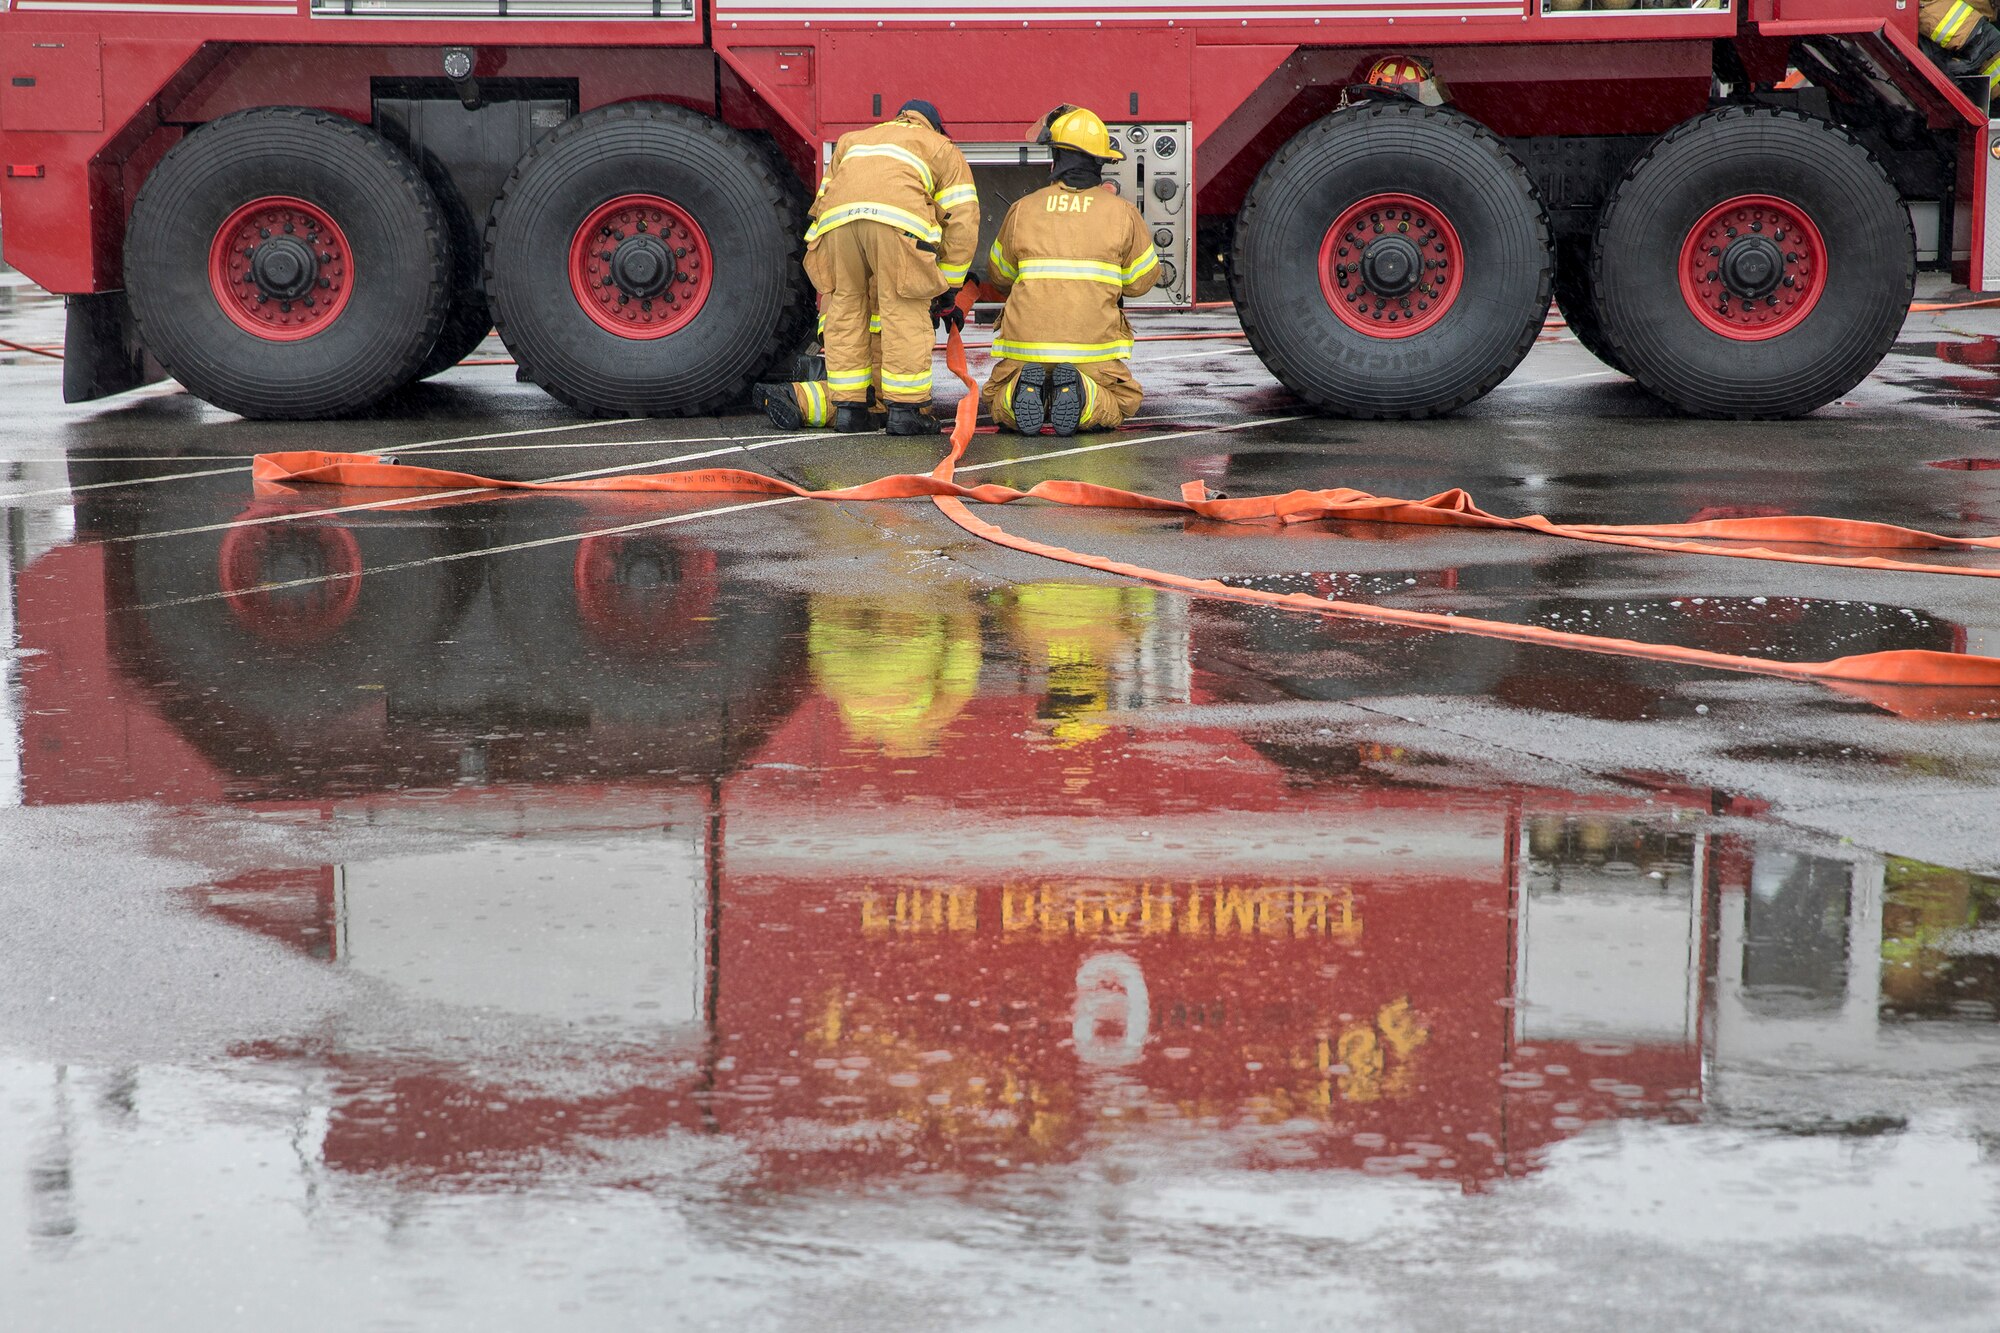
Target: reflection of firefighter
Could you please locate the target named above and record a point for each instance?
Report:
(893, 231)
(1079, 633)
(1959, 35)
(1936, 925)
(1065, 259)
(898, 676)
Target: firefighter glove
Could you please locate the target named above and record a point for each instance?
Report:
(945, 312)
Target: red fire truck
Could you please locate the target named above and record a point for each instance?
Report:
(296, 206)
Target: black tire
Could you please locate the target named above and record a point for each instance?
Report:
(798, 333)
(1578, 305)
(1739, 151)
(1392, 147)
(464, 329)
(754, 224)
(399, 261)
(468, 320)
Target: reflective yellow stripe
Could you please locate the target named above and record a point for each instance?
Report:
(1992, 69)
(895, 217)
(874, 323)
(816, 411)
(951, 196)
(954, 273)
(850, 379)
(902, 155)
(922, 380)
(1955, 20)
(1073, 270)
(998, 260)
(1089, 398)
(1141, 266)
(1061, 353)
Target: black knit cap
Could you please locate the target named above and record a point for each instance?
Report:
(924, 109)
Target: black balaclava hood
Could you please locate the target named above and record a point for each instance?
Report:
(1078, 170)
(924, 109)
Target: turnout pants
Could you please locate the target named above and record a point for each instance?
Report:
(1110, 393)
(815, 397)
(866, 267)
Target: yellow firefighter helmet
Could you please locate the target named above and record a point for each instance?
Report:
(1410, 75)
(1075, 127)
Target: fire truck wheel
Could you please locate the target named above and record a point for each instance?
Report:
(643, 260)
(465, 327)
(1753, 263)
(1574, 299)
(286, 263)
(1392, 260)
(469, 319)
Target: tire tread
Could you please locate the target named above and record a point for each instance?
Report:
(1271, 351)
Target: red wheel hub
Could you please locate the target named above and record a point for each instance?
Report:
(640, 266)
(1391, 265)
(252, 558)
(280, 268)
(1753, 267)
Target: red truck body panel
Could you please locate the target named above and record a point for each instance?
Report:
(91, 95)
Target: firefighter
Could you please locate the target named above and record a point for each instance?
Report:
(1065, 259)
(1961, 36)
(893, 232)
(805, 403)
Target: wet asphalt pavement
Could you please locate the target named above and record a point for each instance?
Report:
(805, 915)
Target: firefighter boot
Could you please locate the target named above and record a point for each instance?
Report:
(1029, 410)
(779, 404)
(1065, 397)
(912, 419)
(852, 418)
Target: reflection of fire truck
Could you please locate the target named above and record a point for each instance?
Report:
(1407, 1005)
(850, 907)
(296, 206)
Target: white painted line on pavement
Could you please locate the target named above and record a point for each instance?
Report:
(391, 451)
(1558, 379)
(419, 497)
(223, 471)
(1189, 356)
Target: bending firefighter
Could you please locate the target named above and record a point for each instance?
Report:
(1065, 259)
(892, 235)
(1962, 38)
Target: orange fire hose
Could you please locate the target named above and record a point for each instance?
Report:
(50, 353)
(1903, 667)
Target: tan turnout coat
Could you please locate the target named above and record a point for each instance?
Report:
(1065, 258)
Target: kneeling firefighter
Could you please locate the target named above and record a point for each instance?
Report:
(1065, 259)
(1961, 37)
(810, 402)
(892, 235)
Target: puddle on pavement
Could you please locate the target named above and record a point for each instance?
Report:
(693, 911)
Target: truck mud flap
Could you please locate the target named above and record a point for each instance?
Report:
(101, 351)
